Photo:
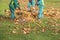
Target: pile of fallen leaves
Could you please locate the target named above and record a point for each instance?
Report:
(52, 12)
(23, 16)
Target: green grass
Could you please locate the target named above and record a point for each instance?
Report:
(6, 25)
(6, 32)
(52, 3)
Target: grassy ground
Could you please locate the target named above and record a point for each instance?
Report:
(7, 25)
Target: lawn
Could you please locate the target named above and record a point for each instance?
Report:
(7, 26)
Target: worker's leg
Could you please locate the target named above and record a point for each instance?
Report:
(40, 14)
(29, 4)
(33, 3)
(12, 14)
(16, 4)
(12, 8)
